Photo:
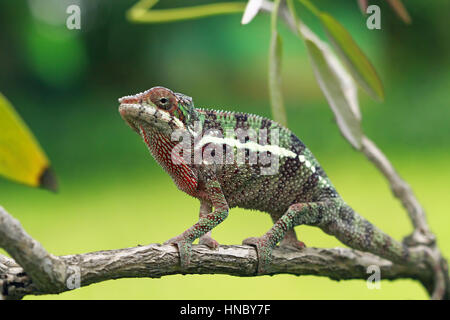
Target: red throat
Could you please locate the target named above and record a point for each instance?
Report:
(161, 149)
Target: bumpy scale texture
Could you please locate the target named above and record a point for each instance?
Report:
(297, 192)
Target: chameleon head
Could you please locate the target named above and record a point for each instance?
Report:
(156, 109)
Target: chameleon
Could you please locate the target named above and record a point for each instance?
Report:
(295, 191)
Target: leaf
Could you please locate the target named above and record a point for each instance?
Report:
(21, 157)
(251, 11)
(337, 85)
(400, 10)
(275, 53)
(141, 12)
(360, 67)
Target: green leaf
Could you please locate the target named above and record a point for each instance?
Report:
(141, 12)
(275, 53)
(21, 157)
(360, 67)
(337, 86)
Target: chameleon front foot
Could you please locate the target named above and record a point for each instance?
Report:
(264, 251)
(184, 249)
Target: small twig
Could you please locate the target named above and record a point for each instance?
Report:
(401, 190)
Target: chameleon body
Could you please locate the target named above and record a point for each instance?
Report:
(297, 192)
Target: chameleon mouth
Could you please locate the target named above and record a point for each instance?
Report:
(140, 114)
(133, 114)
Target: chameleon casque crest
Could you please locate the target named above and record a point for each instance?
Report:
(297, 193)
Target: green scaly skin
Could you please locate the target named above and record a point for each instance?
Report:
(298, 193)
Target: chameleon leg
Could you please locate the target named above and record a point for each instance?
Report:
(290, 239)
(334, 217)
(206, 239)
(297, 214)
(205, 224)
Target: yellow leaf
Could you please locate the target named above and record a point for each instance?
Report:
(21, 157)
(142, 11)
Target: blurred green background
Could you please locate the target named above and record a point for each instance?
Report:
(65, 84)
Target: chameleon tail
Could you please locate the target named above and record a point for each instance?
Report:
(358, 233)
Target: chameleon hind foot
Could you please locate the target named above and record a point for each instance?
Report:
(290, 241)
(293, 245)
(264, 251)
(208, 241)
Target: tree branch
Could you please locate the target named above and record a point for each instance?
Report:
(30, 273)
(46, 270)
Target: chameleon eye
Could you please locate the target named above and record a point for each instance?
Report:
(164, 103)
(162, 98)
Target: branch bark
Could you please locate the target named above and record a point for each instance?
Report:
(30, 273)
